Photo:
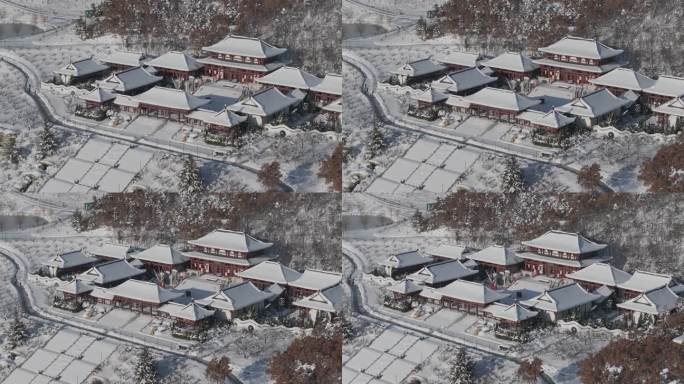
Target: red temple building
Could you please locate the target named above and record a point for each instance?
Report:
(557, 253)
(241, 59)
(224, 252)
(577, 60)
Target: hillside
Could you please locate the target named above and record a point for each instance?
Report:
(310, 29)
(649, 31)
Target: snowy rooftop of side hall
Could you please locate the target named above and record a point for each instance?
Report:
(329, 300)
(144, 291)
(271, 271)
(502, 99)
(673, 107)
(406, 259)
(82, 67)
(224, 118)
(245, 46)
(512, 61)
(131, 59)
(177, 61)
(316, 280)
(624, 78)
(496, 254)
(221, 94)
(98, 95)
(454, 252)
(419, 68)
(464, 59)
(463, 80)
(551, 119)
(198, 287)
(511, 312)
(655, 302)
(472, 292)
(290, 77)
(129, 79)
(601, 273)
(110, 272)
(561, 298)
(564, 242)
(70, 259)
(335, 106)
(595, 104)
(642, 281)
(171, 98)
(581, 47)
(265, 103)
(231, 241)
(442, 272)
(191, 311)
(75, 287)
(670, 86)
(331, 84)
(236, 297)
(405, 287)
(162, 254)
(113, 251)
(430, 96)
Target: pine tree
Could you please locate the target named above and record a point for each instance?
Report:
(190, 183)
(145, 369)
(48, 143)
(269, 175)
(218, 370)
(461, 371)
(512, 180)
(9, 149)
(376, 141)
(16, 332)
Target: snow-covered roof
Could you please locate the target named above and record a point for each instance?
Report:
(266, 67)
(564, 242)
(101, 293)
(82, 68)
(496, 254)
(224, 118)
(98, 95)
(527, 288)
(430, 293)
(171, 98)
(406, 259)
(442, 272)
(502, 99)
(126, 101)
(673, 107)
(511, 312)
(583, 262)
(670, 86)
(162, 254)
(316, 280)
(581, 47)
(245, 46)
(265, 103)
(561, 298)
(430, 96)
(231, 241)
(472, 292)
(335, 106)
(191, 311)
(656, 301)
(220, 94)
(271, 271)
(463, 59)
(75, 287)
(70, 259)
(419, 68)
(624, 78)
(221, 259)
(642, 281)
(600, 273)
(463, 80)
(454, 252)
(112, 251)
(236, 297)
(177, 61)
(129, 79)
(290, 77)
(457, 101)
(328, 300)
(198, 288)
(512, 61)
(405, 287)
(131, 59)
(110, 272)
(331, 84)
(144, 291)
(551, 119)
